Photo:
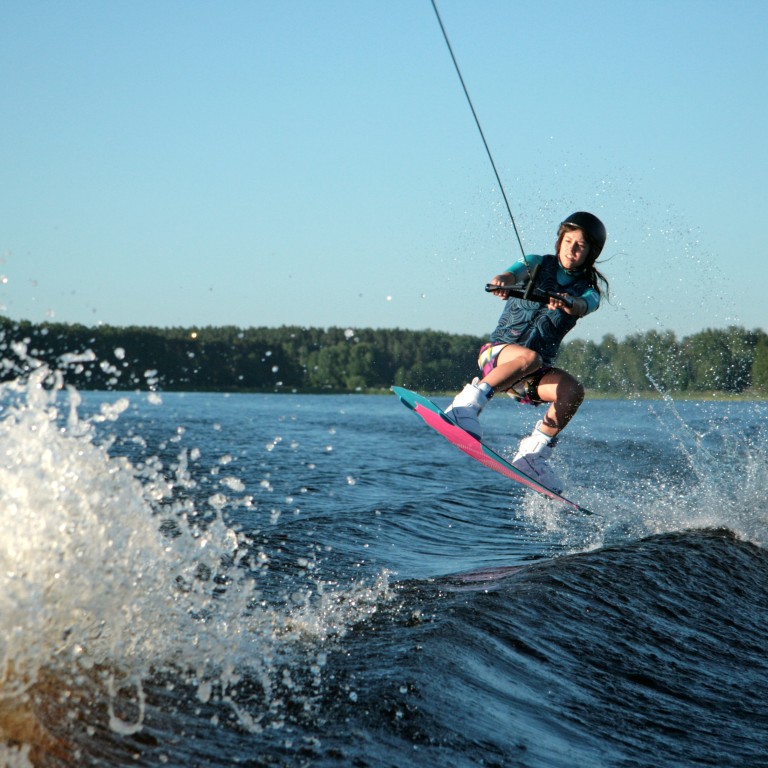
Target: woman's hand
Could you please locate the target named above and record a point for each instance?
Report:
(504, 279)
(560, 301)
(571, 305)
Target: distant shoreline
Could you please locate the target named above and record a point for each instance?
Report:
(730, 364)
(746, 397)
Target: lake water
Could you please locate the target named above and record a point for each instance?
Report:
(298, 580)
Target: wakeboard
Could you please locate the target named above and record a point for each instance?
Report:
(442, 424)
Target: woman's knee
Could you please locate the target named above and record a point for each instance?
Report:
(576, 391)
(535, 360)
(531, 360)
(560, 387)
(571, 393)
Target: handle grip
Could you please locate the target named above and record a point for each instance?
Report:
(529, 294)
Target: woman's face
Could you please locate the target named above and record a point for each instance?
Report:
(574, 250)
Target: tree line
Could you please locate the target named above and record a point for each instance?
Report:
(292, 358)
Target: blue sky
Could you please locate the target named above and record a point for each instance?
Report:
(188, 163)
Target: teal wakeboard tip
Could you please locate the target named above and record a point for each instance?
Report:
(404, 400)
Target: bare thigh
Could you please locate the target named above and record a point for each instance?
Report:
(513, 363)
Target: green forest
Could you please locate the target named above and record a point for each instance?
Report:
(729, 361)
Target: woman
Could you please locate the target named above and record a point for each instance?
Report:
(522, 349)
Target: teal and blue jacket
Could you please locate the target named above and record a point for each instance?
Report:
(533, 325)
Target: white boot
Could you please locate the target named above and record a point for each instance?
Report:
(532, 456)
(468, 405)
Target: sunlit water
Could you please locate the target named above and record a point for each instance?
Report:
(268, 580)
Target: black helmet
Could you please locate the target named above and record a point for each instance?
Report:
(593, 229)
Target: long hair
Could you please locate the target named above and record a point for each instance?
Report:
(595, 277)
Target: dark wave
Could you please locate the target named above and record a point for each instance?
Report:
(289, 581)
(645, 654)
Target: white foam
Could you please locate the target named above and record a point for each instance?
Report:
(93, 585)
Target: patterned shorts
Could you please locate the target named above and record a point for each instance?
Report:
(525, 390)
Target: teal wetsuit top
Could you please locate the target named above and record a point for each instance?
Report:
(565, 279)
(534, 325)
